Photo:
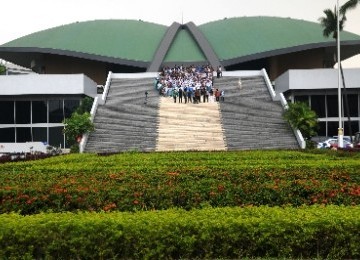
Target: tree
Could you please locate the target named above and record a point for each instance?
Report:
(85, 105)
(2, 69)
(300, 116)
(76, 126)
(329, 22)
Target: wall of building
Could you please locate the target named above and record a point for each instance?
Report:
(319, 89)
(35, 84)
(55, 64)
(298, 60)
(312, 79)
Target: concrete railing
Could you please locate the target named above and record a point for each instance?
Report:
(106, 88)
(268, 84)
(139, 75)
(300, 139)
(85, 137)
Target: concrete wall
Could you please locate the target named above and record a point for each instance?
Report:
(95, 70)
(35, 84)
(316, 79)
(298, 60)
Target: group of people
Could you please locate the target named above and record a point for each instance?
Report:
(189, 84)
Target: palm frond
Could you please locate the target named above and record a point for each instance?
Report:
(351, 4)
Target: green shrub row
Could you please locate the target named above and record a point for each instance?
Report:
(330, 232)
(156, 184)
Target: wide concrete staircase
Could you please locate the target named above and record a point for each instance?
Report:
(125, 122)
(189, 127)
(250, 119)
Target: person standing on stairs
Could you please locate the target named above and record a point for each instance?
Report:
(217, 95)
(222, 95)
(174, 94)
(180, 94)
(219, 72)
(185, 94)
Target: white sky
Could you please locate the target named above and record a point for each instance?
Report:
(22, 17)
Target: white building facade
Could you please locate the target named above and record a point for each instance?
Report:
(34, 106)
(319, 89)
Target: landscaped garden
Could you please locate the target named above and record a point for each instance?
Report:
(287, 204)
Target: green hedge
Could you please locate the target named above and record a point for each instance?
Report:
(157, 181)
(328, 232)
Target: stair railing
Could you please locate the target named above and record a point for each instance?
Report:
(299, 137)
(106, 88)
(85, 137)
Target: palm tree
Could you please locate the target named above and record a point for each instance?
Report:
(329, 22)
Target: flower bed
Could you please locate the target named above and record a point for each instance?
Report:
(157, 181)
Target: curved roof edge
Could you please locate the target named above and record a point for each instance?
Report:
(75, 54)
(282, 51)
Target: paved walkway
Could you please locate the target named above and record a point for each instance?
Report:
(186, 127)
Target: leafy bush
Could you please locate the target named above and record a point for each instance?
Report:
(300, 116)
(76, 126)
(155, 181)
(330, 232)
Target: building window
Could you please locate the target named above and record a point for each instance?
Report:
(22, 112)
(354, 127)
(70, 106)
(318, 105)
(39, 112)
(23, 134)
(333, 128)
(332, 106)
(56, 114)
(8, 117)
(353, 105)
(39, 134)
(56, 137)
(322, 129)
(7, 135)
(304, 99)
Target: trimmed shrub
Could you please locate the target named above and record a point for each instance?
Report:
(330, 232)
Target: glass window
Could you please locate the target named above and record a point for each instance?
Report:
(8, 117)
(22, 109)
(332, 106)
(39, 112)
(39, 134)
(354, 127)
(322, 129)
(56, 137)
(304, 99)
(70, 106)
(7, 135)
(333, 128)
(353, 105)
(23, 134)
(318, 105)
(56, 111)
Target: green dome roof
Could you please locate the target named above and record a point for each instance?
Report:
(122, 39)
(133, 42)
(240, 37)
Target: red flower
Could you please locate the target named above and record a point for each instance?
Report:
(135, 202)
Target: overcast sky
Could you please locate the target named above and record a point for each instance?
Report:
(22, 17)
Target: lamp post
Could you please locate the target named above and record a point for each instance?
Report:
(340, 129)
